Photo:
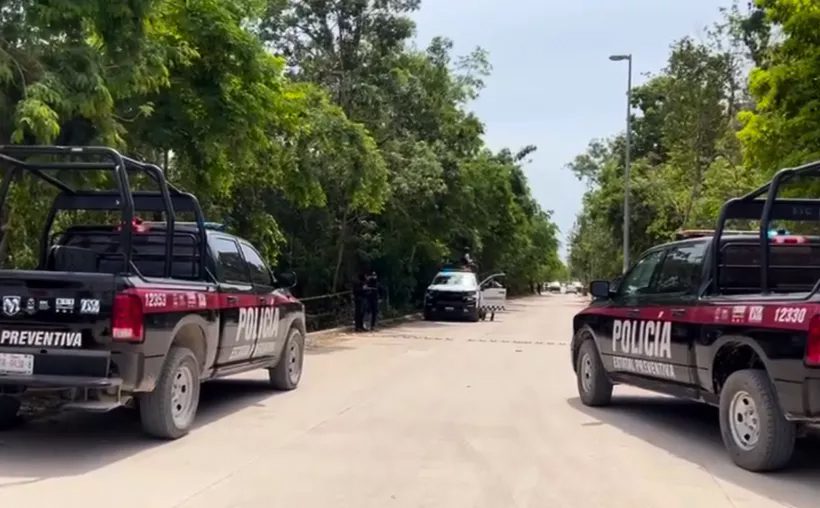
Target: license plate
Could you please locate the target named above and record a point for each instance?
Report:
(449, 308)
(11, 363)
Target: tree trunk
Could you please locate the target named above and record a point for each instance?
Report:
(340, 252)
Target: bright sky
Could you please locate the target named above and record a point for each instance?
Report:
(552, 83)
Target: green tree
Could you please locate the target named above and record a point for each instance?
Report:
(783, 129)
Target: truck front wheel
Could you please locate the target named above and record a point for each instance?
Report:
(594, 386)
(288, 372)
(754, 430)
(169, 411)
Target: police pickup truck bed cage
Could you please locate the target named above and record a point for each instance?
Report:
(764, 205)
(42, 161)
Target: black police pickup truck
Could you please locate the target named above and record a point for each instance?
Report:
(132, 312)
(731, 319)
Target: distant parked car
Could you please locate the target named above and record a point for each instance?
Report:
(554, 287)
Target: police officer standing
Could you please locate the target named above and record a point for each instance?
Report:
(359, 302)
(467, 260)
(372, 296)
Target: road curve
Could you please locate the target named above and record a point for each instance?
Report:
(426, 414)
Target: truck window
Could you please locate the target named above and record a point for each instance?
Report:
(681, 269)
(640, 277)
(260, 275)
(230, 266)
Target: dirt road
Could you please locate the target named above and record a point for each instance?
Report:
(427, 414)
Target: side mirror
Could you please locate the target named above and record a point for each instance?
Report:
(286, 280)
(600, 289)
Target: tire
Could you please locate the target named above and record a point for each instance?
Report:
(170, 410)
(474, 316)
(594, 386)
(756, 434)
(428, 316)
(286, 374)
(9, 412)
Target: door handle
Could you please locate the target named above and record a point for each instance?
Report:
(678, 312)
(634, 312)
(263, 299)
(233, 299)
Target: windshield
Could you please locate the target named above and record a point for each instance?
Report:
(455, 279)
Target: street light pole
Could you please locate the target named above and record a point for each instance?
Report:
(627, 180)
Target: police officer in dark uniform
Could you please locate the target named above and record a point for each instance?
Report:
(359, 302)
(372, 296)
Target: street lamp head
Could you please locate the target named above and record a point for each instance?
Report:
(618, 58)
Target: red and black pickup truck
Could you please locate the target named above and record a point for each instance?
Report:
(132, 312)
(731, 319)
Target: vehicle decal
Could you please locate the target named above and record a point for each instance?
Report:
(64, 305)
(790, 314)
(87, 306)
(168, 300)
(774, 315)
(40, 338)
(643, 338)
(11, 305)
(257, 323)
(645, 367)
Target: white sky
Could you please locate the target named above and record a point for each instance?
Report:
(552, 83)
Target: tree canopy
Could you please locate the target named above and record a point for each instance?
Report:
(315, 129)
(720, 119)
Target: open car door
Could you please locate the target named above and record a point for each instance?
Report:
(493, 296)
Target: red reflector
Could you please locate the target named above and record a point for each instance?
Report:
(127, 318)
(789, 239)
(137, 226)
(813, 342)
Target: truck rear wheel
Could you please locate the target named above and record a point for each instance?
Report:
(169, 411)
(594, 387)
(754, 430)
(287, 373)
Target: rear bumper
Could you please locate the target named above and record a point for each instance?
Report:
(57, 382)
(93, 369)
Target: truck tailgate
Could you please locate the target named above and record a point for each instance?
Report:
(55, 323)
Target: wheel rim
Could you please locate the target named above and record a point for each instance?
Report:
(294, 360)
(586, 372)
(744, 420)
(183, 396)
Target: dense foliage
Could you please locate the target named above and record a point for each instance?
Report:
(313, 128)
(705, 128)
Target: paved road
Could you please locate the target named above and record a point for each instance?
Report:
(439, 415)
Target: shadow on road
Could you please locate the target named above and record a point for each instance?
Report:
(73, 444)
(691, 431)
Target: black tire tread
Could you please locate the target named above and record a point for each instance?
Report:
(278, 375)
(154, 406)
(601, 391)
(776, 447)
